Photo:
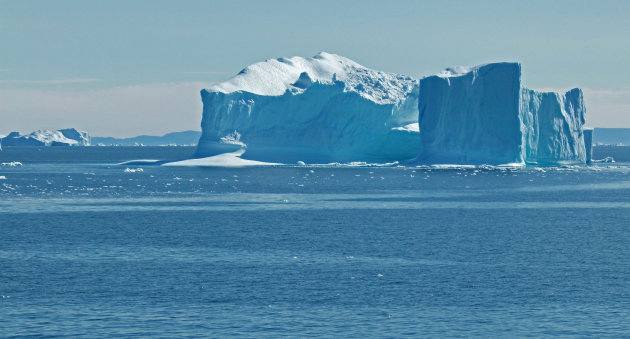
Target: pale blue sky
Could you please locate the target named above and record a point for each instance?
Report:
(130, 67)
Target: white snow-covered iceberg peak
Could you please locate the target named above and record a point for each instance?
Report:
(63, 137)
(81, 137)
(276, 76)
(483, 115)
(456, 71)
(324, 108)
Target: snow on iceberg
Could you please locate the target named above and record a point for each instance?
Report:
(232, 159)
(321, 109)
(81, 137)
(330, 109)
(483, 115)
(64, 137)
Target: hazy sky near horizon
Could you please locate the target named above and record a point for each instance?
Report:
(123, 68)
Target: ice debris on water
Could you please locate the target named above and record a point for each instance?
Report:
(606, 160)
(134, 170)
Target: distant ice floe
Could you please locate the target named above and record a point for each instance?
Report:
(606, 159)
(134, 170)
(12, 163)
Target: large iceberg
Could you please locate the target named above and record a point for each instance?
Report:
(329, 108)
(321, 109)
(63, 137)
(483, 115)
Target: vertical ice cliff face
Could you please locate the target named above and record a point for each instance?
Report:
(470, 116)
(588, 144)
(321, 109)
(553, 127)
(483, 115)
(82, 138)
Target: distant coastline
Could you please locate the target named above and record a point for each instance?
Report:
(601, 137)
(184, 138)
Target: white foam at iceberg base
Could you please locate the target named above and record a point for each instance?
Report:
(232, 159)
(140, 162)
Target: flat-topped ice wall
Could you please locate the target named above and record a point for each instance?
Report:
(483, 115)
(553, 127)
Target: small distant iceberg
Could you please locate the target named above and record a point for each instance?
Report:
(11, 164)
(62, 137)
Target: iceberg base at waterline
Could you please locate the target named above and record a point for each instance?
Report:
(232, 159)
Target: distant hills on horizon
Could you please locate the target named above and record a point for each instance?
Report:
(611, 136)
(601, 136)
(175, 138)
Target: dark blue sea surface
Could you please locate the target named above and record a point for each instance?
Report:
(89, 248)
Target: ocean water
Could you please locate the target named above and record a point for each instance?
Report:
(89, 248)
